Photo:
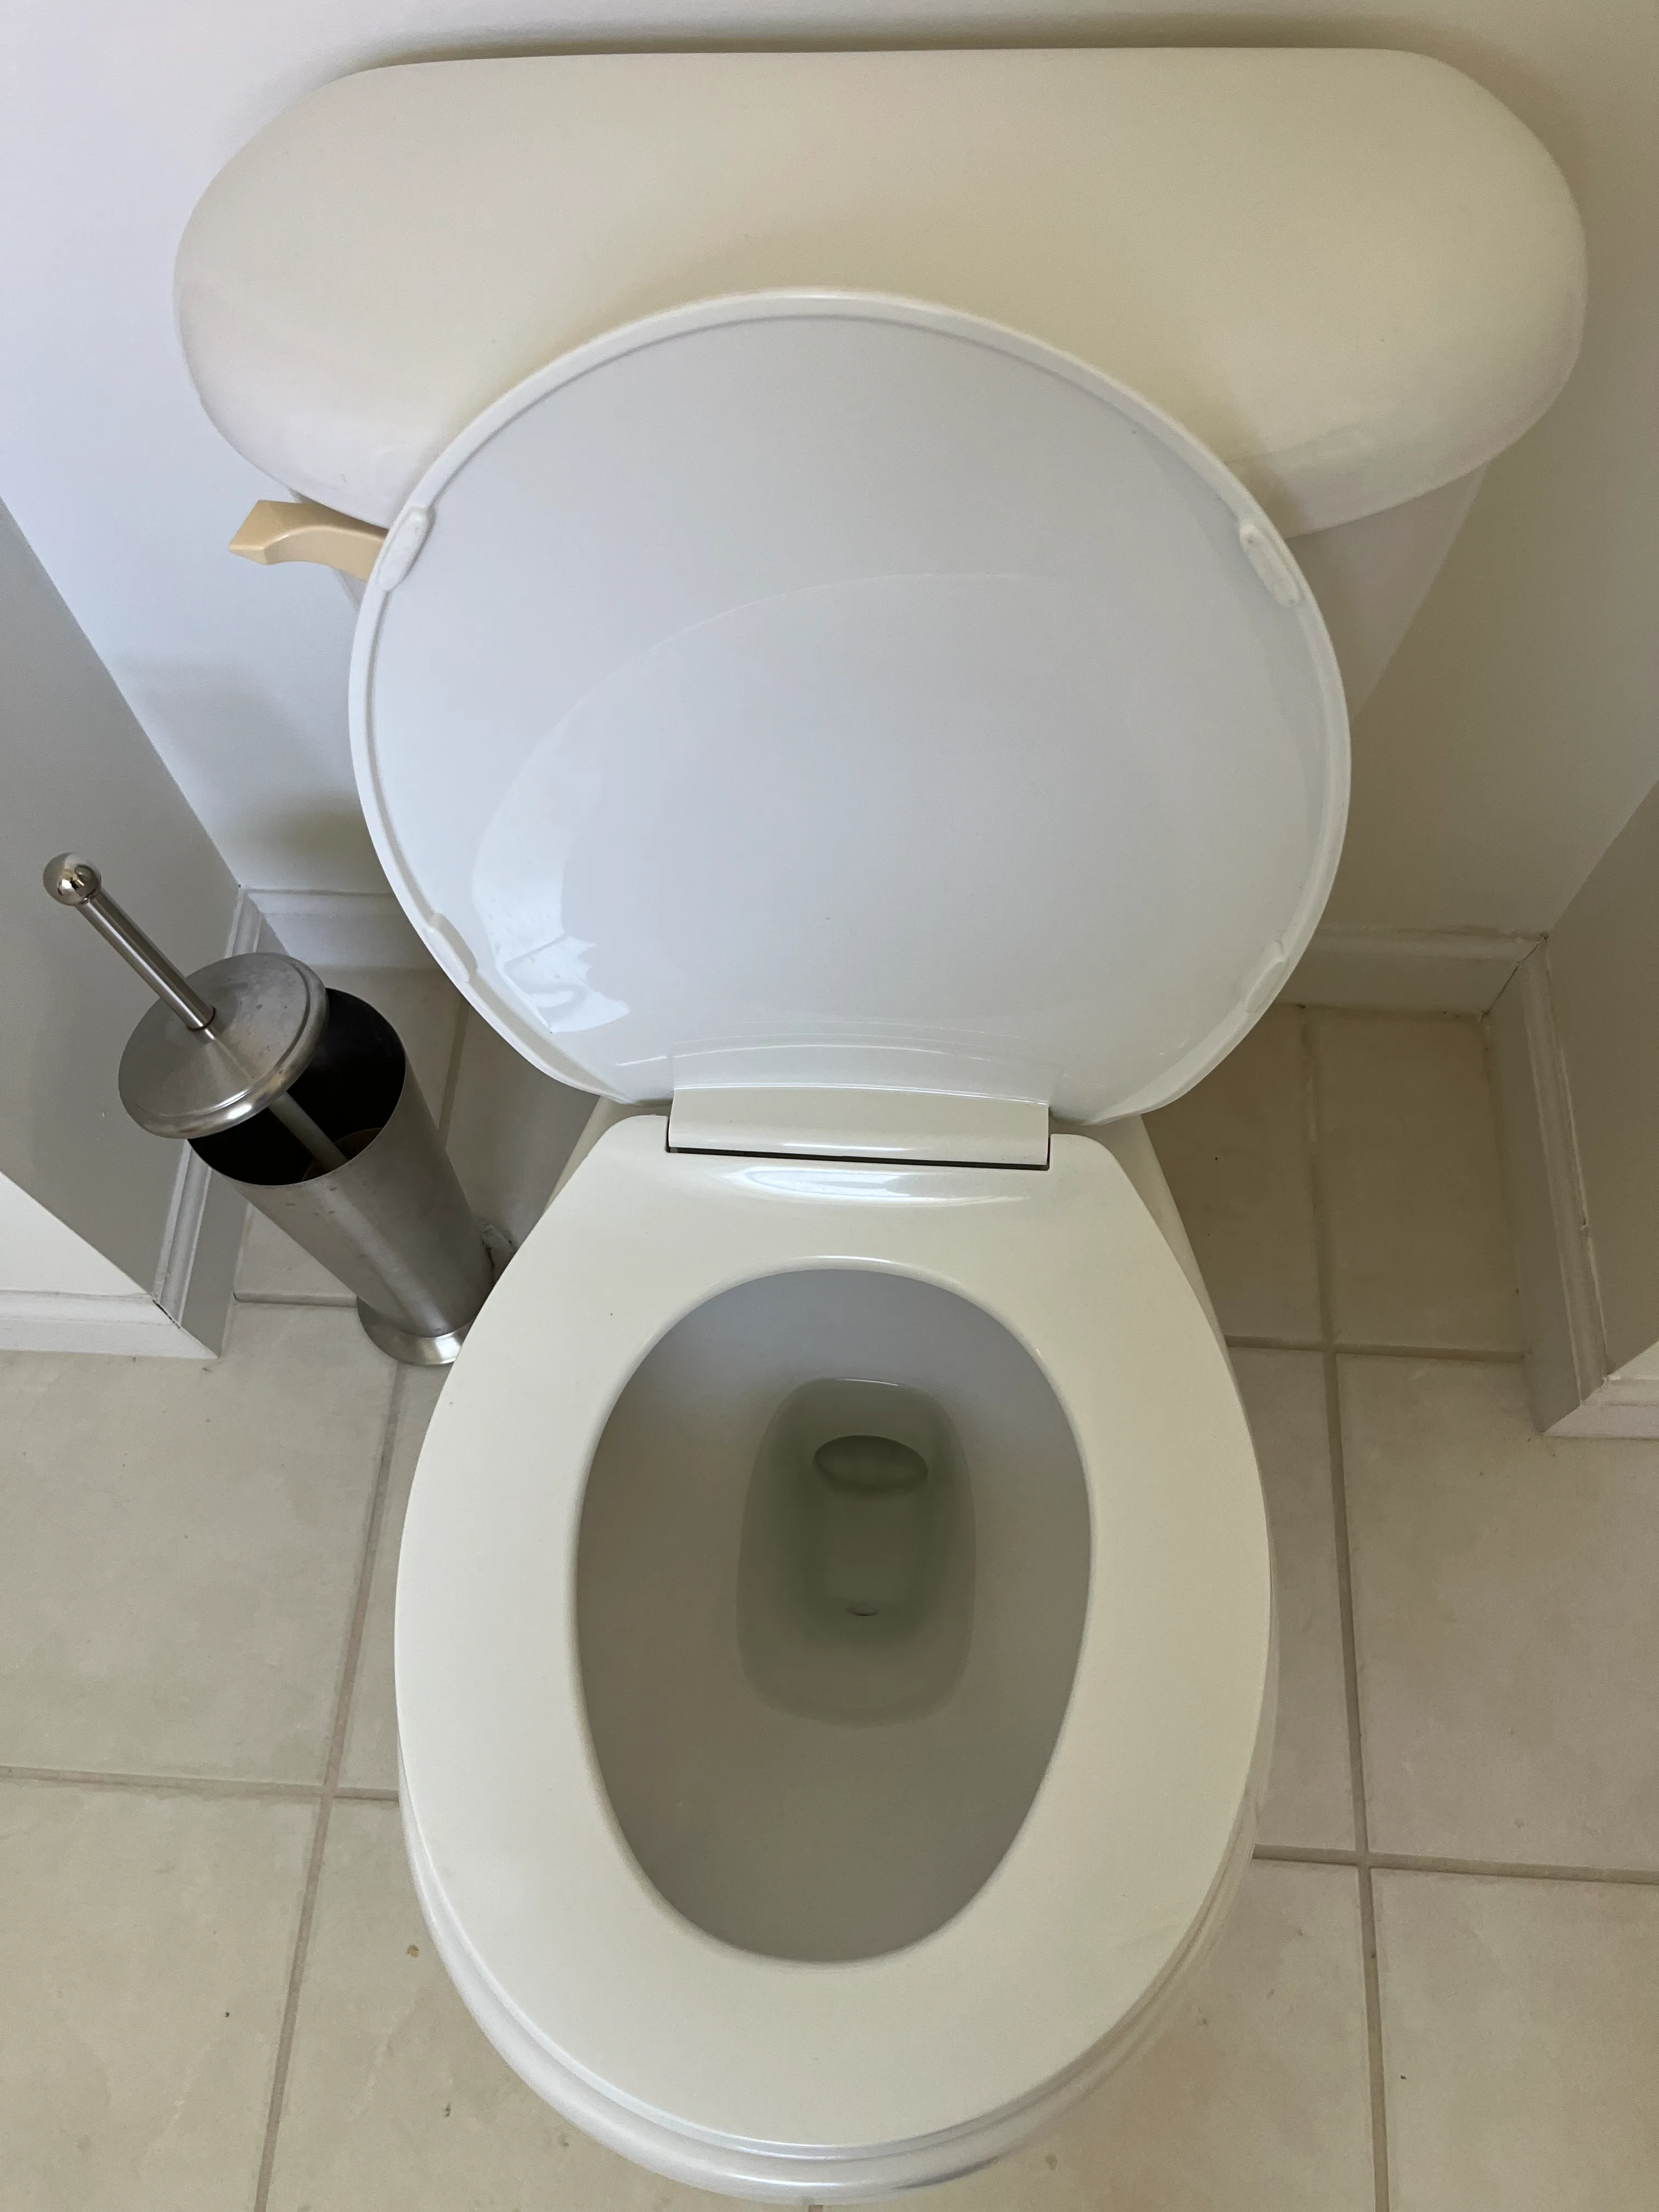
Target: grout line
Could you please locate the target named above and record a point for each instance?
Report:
(321, 1301)
(1316, 1012)
(1273, 1344)
(291, 2006)
(1348, 1350)
(1305, 1855)
(331, 1789)
(172, 1785)
(1480, 1869)
(1351, 1350)
(1515, 1870)
(1345, 1604)
(364, 1796)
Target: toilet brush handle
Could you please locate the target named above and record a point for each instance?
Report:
(298, 1123)
(75, 881)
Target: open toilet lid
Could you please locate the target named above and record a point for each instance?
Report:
(833, 689)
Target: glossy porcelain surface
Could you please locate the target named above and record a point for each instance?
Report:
(821, 2067)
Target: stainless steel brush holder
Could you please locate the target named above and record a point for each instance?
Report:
(302, 1096)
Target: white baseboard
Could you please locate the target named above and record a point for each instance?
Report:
(44, 1321)
(1627, 1408)
(342, 929)
(1573, 1392)
(1449, 971)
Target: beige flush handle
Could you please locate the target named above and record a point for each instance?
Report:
(300, 530)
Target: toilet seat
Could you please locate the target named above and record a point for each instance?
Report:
(770, 2076)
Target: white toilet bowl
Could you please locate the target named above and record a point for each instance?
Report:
(761, 1946)
(834, 1634)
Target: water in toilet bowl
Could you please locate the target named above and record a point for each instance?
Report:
(855, 1574)
(831, 1582)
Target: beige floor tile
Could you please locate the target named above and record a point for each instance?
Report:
(1414, 1200)
(1505, 1619)
(1310, 1789)
(1235, 1154)
(144, 1950)
(1258, 2101)
(394, 2097)
(1521, 2044)
(424, 1009)
(511, 1130)
(179, 1547)
(370, 1760)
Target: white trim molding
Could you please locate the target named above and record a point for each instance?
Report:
(1420, 971)
(1574, 1391)
(1622, 1406)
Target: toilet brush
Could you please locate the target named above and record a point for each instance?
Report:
(353, 1170)
(250, 1035)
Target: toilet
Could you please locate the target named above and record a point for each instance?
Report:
(861, 720)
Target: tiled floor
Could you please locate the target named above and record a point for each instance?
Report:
(1440, 1989)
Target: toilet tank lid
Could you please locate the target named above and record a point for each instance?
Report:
(1354, 276)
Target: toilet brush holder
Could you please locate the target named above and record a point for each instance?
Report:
(391, 1221)
(303, 1098)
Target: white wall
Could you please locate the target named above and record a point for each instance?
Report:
(1513, 737)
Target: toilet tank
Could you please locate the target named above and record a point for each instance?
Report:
(1355, 276)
